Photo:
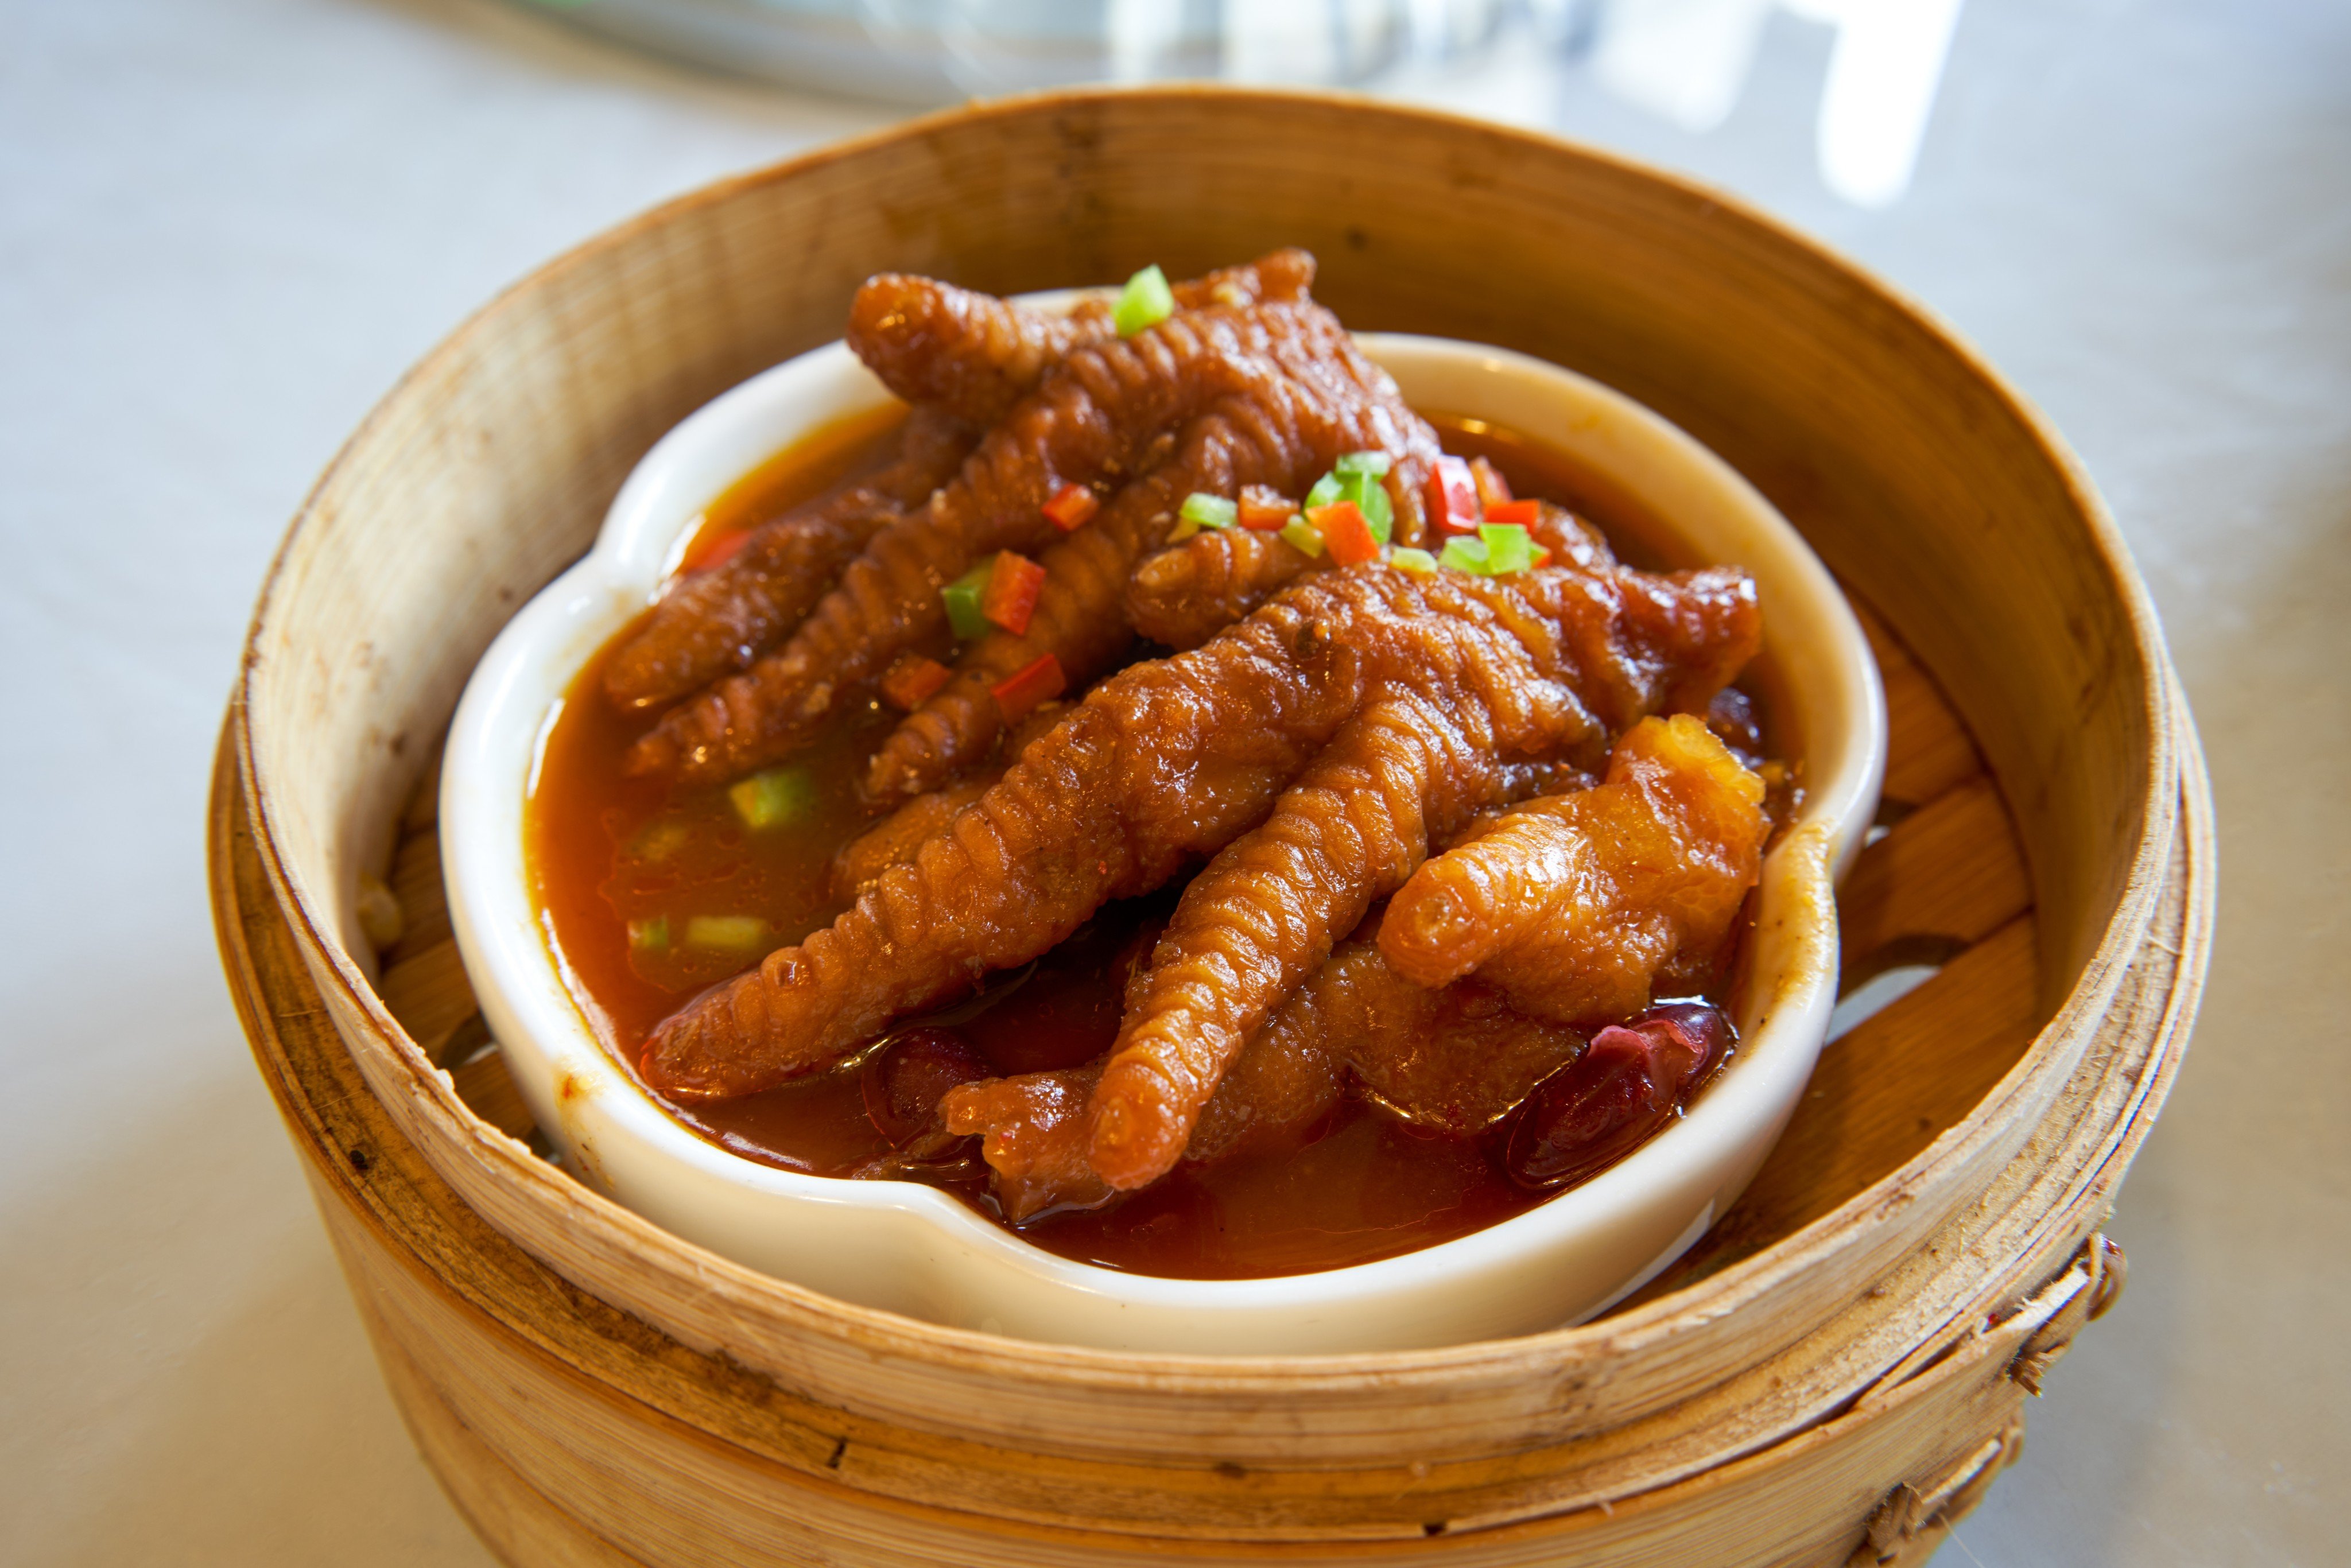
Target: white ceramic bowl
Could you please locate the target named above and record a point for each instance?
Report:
(913, 1249)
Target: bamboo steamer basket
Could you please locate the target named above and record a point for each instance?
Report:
(1833, 1375)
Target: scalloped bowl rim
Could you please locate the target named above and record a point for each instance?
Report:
(912, 1249)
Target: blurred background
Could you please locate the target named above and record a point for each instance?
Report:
(228, 227)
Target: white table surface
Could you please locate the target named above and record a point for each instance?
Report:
(228, 225)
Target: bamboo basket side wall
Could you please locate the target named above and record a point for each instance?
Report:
(511, 438)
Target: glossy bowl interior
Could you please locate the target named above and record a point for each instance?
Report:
(910, 1249)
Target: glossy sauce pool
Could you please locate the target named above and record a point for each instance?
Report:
(607, 853)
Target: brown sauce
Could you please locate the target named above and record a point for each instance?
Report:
(606, 850)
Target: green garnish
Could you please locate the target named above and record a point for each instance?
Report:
(1371, 499)
(1302, 535)
(778, 795)
(1418, 562)
(1210, 511)
(1465, 554)
(962, 598)
(1508, 547)
(660, 840)
(1357, 479)
(726, 933)
(1144, 302)
(649, 936)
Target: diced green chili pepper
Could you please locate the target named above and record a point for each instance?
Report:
(1375, 464)
(962, 598)
(650, 936)
(660, 840)
(1508, 547)
(726, 933)
(1210, 511)
(778, 795)
(1326, 491)
(1463, 553)
(1418, 562)
(1371, 499)
(1302, 534)
(1144, 302)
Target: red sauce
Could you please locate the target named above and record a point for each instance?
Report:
(606, 850)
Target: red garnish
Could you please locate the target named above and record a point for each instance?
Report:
(1453, 497)
(910, 680)
(1263, 506)
(1019, 693)
(1010, 596)
(1522, 513)
(1492, 488)
(1072, 506)
(717, 552)
(1344, 530)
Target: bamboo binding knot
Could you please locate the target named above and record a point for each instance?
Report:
(2106, 1270)
(1911, 1523)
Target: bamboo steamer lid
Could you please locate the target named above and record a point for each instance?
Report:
(1832, 1376)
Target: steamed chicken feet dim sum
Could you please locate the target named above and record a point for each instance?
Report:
(712, 624)
(1169, 761)
(1633, 881)
(974, 355)
(1314, 402)
(1092, 419)
(1185, 594)
(1574, 904)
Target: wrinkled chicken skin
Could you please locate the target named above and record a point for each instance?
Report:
(974, 355)
(1454, 1060)
(712, 624)
(1576, 904)
(1187, 593)
(1313, 401)
(1090, 422)
(1170, 761)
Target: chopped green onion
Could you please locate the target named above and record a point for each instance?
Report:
(779, 795)
(1508, 547)
(1418, 562)
(726, 933)
(660, 840)
(1463, 553)
(963, 596)
(1371, 499)
(1302, 534)
(650, 936)
(1210, 511)
(1375, 464)
(1145, 301)
(1325, 492)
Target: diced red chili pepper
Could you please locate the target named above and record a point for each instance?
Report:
(910, 680)
(1492, 488)
(1263, 506)
(1345, 531)
(1453, 497)
(1522, 513)
(1021, 691)
(718, 551)
(1010, 596)
(1072, 506)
